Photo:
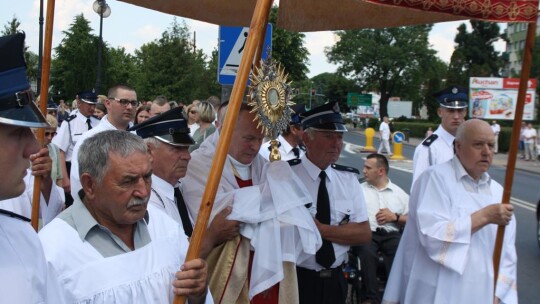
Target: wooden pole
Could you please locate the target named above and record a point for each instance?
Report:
(43, 98)
(514, 141)
(256, 33)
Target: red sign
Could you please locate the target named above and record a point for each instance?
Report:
(513, 83)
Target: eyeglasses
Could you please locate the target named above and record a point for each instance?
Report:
(124, 102)
(51, 134)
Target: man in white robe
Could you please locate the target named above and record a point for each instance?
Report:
(446, 252)
(109, 247)
(23, 270)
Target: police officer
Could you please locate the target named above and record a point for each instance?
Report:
(337, 202)
(23, 275)
(439, 147)
(71, 130)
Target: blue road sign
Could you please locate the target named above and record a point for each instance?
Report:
(232, 41)
(398, 137)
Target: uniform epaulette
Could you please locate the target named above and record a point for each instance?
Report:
(294, 161)
(71, 117)
(14, 215)
(303, 148)
(345, 168)
(428, 141)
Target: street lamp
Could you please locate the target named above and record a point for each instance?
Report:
(103, 10)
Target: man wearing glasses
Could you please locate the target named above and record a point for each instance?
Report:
(121, 104)
(71, 131)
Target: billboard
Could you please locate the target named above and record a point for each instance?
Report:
(496, 98)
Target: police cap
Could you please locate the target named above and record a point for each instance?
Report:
(454, 97)
(88, 97)
(324, 118)
(169, 127)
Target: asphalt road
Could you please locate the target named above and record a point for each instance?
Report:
(525, 194)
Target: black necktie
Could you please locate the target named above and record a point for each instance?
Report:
(325, 256)
(88, 123)
(296, 152)
(182, 209)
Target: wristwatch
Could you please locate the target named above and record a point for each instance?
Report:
(397, 217)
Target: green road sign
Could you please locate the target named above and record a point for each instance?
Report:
(355, 99)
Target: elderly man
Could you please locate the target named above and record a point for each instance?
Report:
(387, 207)
(71, 131)
(290, 141)
(338, 202)
(446, 252)
(121, 105)
(167, 137)
(120, 250)
(438, 148)
(276, 227)
(23, 274)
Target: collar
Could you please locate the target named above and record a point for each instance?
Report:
(85, 221)
(163, 187)
(106, 123)
(314, 171)
(285, 144)
(447, 137)
(389, 186)
(240, 170)
(80, 115)
(461, 173)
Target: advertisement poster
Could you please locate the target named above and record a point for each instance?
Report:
(496, 98)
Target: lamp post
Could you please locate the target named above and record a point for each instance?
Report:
(103, 10)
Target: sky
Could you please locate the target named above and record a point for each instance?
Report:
(130, 26)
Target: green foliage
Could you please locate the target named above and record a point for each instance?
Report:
(475, 54)
(288, 48)
(392, 61)
(335, 88)
(73, 68)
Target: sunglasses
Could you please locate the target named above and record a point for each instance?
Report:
(47, 134)
(124, 102)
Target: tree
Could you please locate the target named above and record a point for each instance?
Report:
(475, 54)
(335, 88)
(288, 48)
(12, 27)
(73, 68)
(170, 66)
(387, 60)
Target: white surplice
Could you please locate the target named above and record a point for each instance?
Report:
(144, 275)
(438, 259)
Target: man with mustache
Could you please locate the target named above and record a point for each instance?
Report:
(446, 252)
(121, 104)
(438, 147)
(119, 249)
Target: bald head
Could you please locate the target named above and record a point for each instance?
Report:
(474, 146)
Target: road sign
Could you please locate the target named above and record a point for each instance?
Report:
(398, 137)
(232, 41)
(355, 99)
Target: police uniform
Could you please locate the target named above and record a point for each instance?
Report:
(316, 283)
(74, 126)
(171, 129)
(439, 147)
(23, 275)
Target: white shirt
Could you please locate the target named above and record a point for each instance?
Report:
(496, 128)
(384, 130)
(23, 275)
(70, 132)
(439, 260)
(346, 201)
(162, 196)
(144, 275)
(285, 150)
(529, 135)
(74, 176)
(22, 204)
(440, 151)
(391, 197)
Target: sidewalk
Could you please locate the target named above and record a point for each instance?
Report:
(499, 159)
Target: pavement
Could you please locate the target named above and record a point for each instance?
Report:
(499, 159)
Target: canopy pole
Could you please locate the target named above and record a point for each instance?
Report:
(256, 33)
(43, 99)
(514, 141)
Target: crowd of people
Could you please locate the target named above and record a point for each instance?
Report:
(123, 180)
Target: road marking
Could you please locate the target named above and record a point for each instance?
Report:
(523, 204)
